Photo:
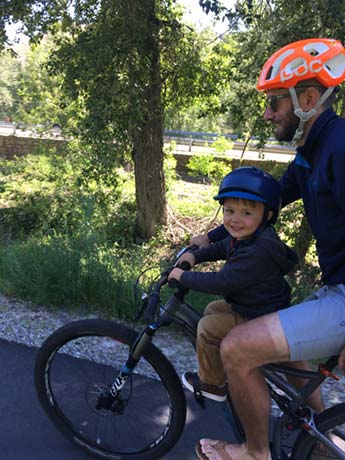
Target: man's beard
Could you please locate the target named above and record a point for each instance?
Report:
(286, 131)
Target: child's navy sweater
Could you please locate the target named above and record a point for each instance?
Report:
(252, 279)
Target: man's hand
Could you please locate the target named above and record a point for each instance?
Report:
(200, 240)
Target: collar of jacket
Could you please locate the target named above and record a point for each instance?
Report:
(305, 154)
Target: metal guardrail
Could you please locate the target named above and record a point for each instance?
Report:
(8, 128)
(187, 138)
(200, 139)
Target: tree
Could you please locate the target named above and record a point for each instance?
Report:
(263, 26)
(8, 86)
(110, 58)
(121, 62)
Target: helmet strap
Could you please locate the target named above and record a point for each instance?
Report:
(305, 116)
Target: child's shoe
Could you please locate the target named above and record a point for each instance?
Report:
(191, 381)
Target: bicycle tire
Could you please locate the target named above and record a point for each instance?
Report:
(77, 361)
(307, 447)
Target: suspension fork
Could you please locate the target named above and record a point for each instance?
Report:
(137, 349)
(109, 398)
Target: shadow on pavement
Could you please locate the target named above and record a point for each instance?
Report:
(27, 434)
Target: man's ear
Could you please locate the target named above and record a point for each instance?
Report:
(309, 98)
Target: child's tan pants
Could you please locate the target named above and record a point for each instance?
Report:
(217, 321)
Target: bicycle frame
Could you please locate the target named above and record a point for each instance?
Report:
(295, 414)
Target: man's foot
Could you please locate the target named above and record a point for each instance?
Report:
(191, 381)
(210, 449)
(202, 455)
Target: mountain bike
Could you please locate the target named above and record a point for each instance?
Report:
(111, 391)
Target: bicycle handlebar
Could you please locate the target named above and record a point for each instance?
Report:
(185, 266)
(154, 299)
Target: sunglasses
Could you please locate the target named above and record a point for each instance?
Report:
(272, 101)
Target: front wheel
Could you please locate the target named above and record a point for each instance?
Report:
(80, 361)
(330, 422)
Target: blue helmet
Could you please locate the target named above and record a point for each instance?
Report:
(252, 183)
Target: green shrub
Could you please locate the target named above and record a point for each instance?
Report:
(208, 166)
(69, 272)
(222, 144)
(170, 163)
(42, 194)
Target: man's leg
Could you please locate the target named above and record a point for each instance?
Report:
(315, 399)
(244, 350)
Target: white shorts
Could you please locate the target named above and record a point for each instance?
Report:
(315, 328)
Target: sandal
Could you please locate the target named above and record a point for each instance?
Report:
(219, 445)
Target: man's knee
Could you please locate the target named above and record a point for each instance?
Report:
(232, 348)
(254, 343)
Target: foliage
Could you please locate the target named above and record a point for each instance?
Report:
(71, 242)
(209, 166)
(42, 100)
(170, 163)
(69, 272)
(47, 193)
(222, 144)
(260, 27)
(202, 105)
(10, 71)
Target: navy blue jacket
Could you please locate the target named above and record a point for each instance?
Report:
(317, 175)
(252, 279)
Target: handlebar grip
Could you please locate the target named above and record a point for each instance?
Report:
(152, 306)
(173, 284)
(185, 266)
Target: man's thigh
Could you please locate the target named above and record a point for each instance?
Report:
(256, 342)
(315, 328)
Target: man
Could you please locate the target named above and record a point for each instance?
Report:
(300, 82)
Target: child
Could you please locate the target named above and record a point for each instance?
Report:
(252, 280)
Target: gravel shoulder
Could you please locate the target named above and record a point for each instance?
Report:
(30, 324)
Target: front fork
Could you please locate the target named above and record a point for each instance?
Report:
(107, 399)
(137, 350)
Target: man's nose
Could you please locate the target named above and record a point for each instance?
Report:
(268, 114)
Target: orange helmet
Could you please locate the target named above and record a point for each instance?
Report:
(319, 58)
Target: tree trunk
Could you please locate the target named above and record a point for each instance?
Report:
(149, 178)
(148, 148)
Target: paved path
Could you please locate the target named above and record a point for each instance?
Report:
(26, 433)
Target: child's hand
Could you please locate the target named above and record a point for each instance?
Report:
(200, 240)
(187, 257)
(175, 274)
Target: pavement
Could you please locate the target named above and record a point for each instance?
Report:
(27, 434)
